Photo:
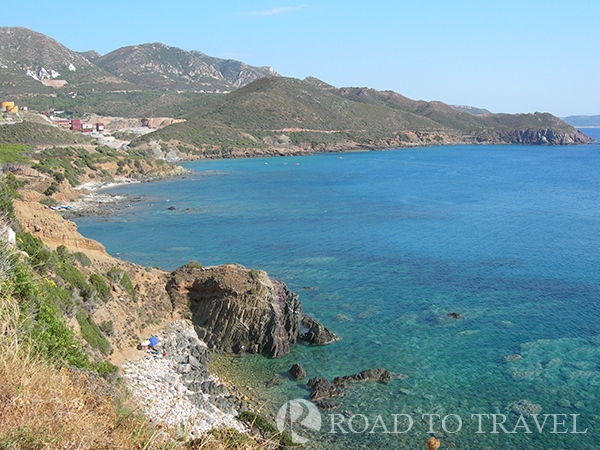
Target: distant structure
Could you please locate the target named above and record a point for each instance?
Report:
(76, 125)
(9, 107)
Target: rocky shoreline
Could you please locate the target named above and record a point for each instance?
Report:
(174, 388)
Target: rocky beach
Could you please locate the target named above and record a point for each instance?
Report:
(173, 386)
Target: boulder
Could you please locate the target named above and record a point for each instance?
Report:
(317, 334)
(233, 308)
(381, 375)
(323, 388)
(297, 372)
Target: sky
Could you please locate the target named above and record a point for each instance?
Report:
(512, 56)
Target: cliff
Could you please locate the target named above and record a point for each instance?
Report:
(236, 309)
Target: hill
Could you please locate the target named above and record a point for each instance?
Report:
(148, 80)
(472, 110)
(583, 121)
(158, 66)
(279, 115)
(33, 63)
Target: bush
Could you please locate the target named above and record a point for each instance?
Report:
(81, 258)
(51, 189)
(92, 333)
(98, 283)
(38, 253)
(193, 265)
(120, 277)
(68, 272)
(262, 424)
(49, 202)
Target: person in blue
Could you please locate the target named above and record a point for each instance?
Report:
(153, 342)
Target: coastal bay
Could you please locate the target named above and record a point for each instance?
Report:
(389, 244)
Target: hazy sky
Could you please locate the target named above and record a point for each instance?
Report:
(507, 56)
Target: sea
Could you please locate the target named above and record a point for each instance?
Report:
(472, 270)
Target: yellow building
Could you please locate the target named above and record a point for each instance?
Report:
(13, 110)
(5, 106)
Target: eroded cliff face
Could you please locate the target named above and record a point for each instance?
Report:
(235, 309)
(535, 137)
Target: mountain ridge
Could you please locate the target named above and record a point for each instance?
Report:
(33, 63)
(279, 115)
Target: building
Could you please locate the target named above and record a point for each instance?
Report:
(5, 106)
(87, 127)
(65, 123)
(76, 125)
(99, 127)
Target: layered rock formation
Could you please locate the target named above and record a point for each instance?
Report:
(544, 136)
(235, 309)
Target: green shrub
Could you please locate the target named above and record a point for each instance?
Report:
(8, 192)
(48, 201)
(261, 423)
(107, 327)
(51, 189)
(91, 333)
(193, 265)
(98, 283)
(104, 368)
(120, 277)
(38, 253)
(68, 272)
(52, 337)
(81, 258)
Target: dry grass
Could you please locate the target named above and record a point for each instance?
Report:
(43, 407)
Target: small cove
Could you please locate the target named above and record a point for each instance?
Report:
(390, 243)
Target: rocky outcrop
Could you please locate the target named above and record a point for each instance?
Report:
(297, 372)
(317, 334)
(530, 136)
(381, 375)
(191, 357)
(50, 227)
(323, 388)
(235, 309)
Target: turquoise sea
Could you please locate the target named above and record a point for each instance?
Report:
(390, 243)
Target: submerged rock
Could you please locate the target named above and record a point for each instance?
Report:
(328, 405)
(275, 381)
(323, 388)
(381, 375)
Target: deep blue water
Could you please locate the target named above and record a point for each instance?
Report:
(393, 241)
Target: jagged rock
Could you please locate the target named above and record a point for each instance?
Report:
(454, 315)
(381, 375)
(297, 372)
(232, 307)
(317, 334)
(323, 388)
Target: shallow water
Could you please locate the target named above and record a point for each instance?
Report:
(390, 243)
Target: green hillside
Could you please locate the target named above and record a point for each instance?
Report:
(31, 133)
(303, 115)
